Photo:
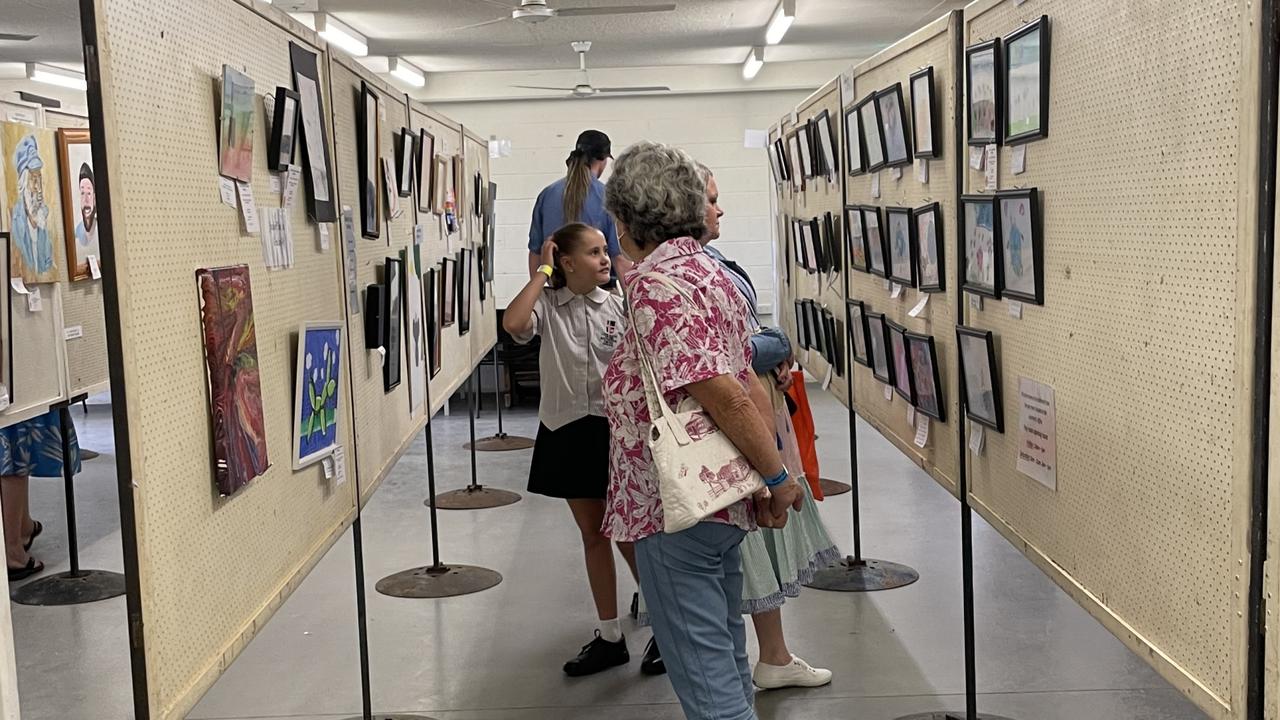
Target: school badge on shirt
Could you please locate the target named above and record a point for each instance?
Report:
(609, 335)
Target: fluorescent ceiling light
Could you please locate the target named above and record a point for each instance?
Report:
(56, 76)
(344, 37)
(781, 22)
(406, 72)
(755, 61)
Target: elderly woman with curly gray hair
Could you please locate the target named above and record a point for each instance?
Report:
(692, 324)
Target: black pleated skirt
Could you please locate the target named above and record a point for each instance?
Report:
(573, 462)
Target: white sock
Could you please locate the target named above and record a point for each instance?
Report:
(611, 630)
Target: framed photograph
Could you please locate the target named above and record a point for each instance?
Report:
(855, 158)
(431, 304)
(980, 257)
(235, 126)
(924, 114)
(855, 238)
(1026, 82)
(284, 129)
(317, 377)
(827, 141)
(878, 347)
(873, 138)
(897, 146)
(1021, 249)
(426, 150)
(925, 376)
(902, 246)
(902, 381)
(465, 273)
(875, 241)
(404, 162)
(321, 206)
(448, 291)
(983, 97)
(370, 171)
(797, 166)
(391, 325)
(856, 319)
(980, 377)
(79, 202)
(930, 252)
(806, 150)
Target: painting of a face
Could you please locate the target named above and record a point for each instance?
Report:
(31, 194)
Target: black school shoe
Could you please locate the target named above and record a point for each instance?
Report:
(652, 663)
(598, 655)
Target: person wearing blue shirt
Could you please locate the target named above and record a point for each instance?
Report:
(577, 197)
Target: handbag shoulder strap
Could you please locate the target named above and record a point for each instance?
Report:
(658, 407)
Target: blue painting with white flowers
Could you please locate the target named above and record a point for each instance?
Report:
(317, 431)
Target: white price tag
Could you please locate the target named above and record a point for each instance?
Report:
(227, 189)
(896, 291)
(18, 286)
(888, 393)
(327, 464)
(291, 185)
(1015, 309)
(975, 302)
(248, 208)
(275, 183)
(826, 381)
(922, 170)
(977, 438)
(72, 333)
(95, 270)
(340, 466)
(993, 166)
(922, 431)
(875, 184)
(323, 229)
(919, 308)
(1019, 159)
(911, 415)
(976, 155)
(896, 173)
(34, 302)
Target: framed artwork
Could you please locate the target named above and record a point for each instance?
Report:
(873, 138)
(415, 332)
(477, 194)
(431, 301)
(980, 377)
(318, 369)
(1026, 82)
(32, 197)
(235, 126)
(983, 98)
(829, 336)
(232, 372)
(924, 114)
(806, 150)
(491, 235)
(930, 254)
(854, 157)
(775, 170)
(780, 155)
(839, 344)
(284, 129)
(878, 347)
(980, 259)
(834, 242)
(1021, 249)
(6, 317)
(439, 184)
(448, 291)
(902, 246)
(819, 245)
(465, 273)
(897, 146)
(856, 319)
(79, 201)
(404, 163)
(315, 137)
(827, 141)
(807, 251)
(426, 151)
(370, 171)
(815, 324)
(455, 175)
(391, 290)
(799, 324)
(855, 238)
(375, 310)
(925, 376)
(797, 166)
(902, 381)
(875, 241)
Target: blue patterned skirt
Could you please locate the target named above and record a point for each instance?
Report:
(34, 447)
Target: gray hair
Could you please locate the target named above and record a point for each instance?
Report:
(658, 192)
(704, 172)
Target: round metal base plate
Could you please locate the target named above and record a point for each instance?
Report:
(849, 575)
(64, 589)
(438, 582)
(831, 488)
(477, 498)
(86, 454)
(955, 715)
(501, 443)
(392, 716)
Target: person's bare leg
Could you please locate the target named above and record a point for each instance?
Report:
(773, 644)
(598, 552)
(14, 498)
(628, 551)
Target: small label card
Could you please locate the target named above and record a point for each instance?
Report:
(896, 173)
(919, 308)
(275, 183)
(323, 230)
(34, 302)
(975, 302)
(248, 208)
(291, 185)
(976, 155)
(73, 332)
(922, 170)
(1019, 159)
(911, 415)
(922, 431)
(875, 184)
(977, 439)
(340, 465)
(993, 166)
(227, 189)
(895, 291)
(95, 270)
(888, 393)
(1015, 309)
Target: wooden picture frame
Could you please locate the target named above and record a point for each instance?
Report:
(877, 245)
(1018, 220)
(893, 126)
(924, 114)
(872, 137)
(983, 105)
(980, 377)
(426, 153)
(322, 204)
(878, 348)
(369, 151)
(980, 262)
(75, 157)
(855, 156)
(439, 184)
(926, 376)
(855, 238)
(1025, 53)
(903, 384)
(931, 261)
(856, 320)
(375, 308)
(284, 130)
(901, 237)
(835, 243)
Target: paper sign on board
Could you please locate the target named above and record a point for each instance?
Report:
(977, 438)
(919, 308)
(95, 270)
(1037, 433)
(993, 166)
(227, 189)
(922, 431)
(922, 170)
(1019, 159)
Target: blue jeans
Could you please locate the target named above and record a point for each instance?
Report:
(692, 583)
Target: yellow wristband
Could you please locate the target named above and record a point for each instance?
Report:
(545, 270)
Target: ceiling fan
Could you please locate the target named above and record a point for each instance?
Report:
(584, 89)
(535, 11)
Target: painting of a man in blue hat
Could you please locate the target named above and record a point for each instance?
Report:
(35, 217)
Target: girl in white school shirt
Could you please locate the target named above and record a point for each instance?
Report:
(580, 325)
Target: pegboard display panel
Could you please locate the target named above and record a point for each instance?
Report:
(87, 354)
(931, 46)
(484, 315)
(784, 266)
(386, 424)
(1148, 203)
(212, 570)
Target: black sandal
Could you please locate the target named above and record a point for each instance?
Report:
(32, 567)
(34, 534)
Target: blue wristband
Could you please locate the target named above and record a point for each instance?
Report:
(778, 480)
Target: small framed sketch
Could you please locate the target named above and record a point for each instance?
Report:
(1026, 83)
(827, 141)
(926, 379)
(902, 382)
(284, 129)
(317, 377)
(854, 158)
(797, 164)
(875, 241)
(774, 169)
(930, 255)
(448, 291)
(897, 146)
(1021, 250)
(980, 64)
(806, 150)
(819, 245)
(426, 149)
(980, 257)
(979, 377)
(780, 154)
(869, 116)
(855, 238)
(370, 172)
(878, 347)
(392, 284)
(902, 246)
(856, 318)
(802, 325)
(924, 129)
(404, 162)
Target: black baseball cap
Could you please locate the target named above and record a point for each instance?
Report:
(594, 144)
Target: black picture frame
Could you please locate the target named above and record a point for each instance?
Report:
(924, 128)
(997, 99)
(855, 312)
(878, 337)
(839, 345)
(855, 238)
(802, 319)
(284, 130)
(931, 260)
(426, 152)
(973, 246)
(895, 219)
(869, 118)
(827, 143)
(983, 359)
(926, 376)
(322, 203)
(375, 310)
(876, 241)
(819, 245)
(896, 136)
(797, 161)
(405, 164)
(1016, 228)
(465, 274)
(431, 311)
(819, 329)
(448, 291)
(855, 159)
(370, 167)
(835, 244)
(829, 338)
(805, 141)
(1010, 48)
(780, 156)
(392, 284)
(904, 386)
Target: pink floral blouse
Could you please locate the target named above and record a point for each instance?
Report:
(690, 342)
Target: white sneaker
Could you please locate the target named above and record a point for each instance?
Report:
(796, 674)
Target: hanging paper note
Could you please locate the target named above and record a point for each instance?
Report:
(1037, 433)
(993, 166)
(340, 466)
(896, 291)
(888, 393)
(896, 173)
(1019, 159)
(922, 431)
(291, 185)
(74, 332)
(323, 232)
(227, 189)
(350, 262)
(911, 415)
(95, 270)
(1015, 309)
(922, 170)
(419, 234)
(975, 302)
(875, 185)
(248, 208)
(34, 301)
(976, 156)
(919, 308)
(275, 183)
(327, 464)
(977, 438)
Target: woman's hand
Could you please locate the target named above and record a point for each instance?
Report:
(549, 253)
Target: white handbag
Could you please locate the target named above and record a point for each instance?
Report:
(700, 471)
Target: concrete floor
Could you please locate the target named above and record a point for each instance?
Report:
(497, 655)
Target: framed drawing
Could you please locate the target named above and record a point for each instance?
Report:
(930, 251)
(375, 309)
(902, 382)
(925, 377)
(775, 170)
(370, 171)
(439, 184)
(32, 197)
(980, 256)
(839, 344)
(284, 129)
(924, 114)
(404, 162)
(815, 325)
(980, 377)
(448, 291)
(466, 271)
(315, 137)
(829, 336)
(235, 126)
(819, 245)
(415, 332)
(878, 347)
(430, 300)
(801, 340)
(317, 373)
(897, 146)
(805, 141)
(835, 243)
(780, 153)
(797, 167)
(856, 319)
(827, 142)
(6, 317)
(426, 151)
(873, 138)
(1026, 82)
(983, 97)
(875, 241)
(1021, 249)
(902, 246)
(855, 238)
(854, 156)
(79, 202)
(391, 290)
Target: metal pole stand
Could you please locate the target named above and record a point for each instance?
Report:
(77, 585)
(856, 573)
(474, 496)
(500, 442)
